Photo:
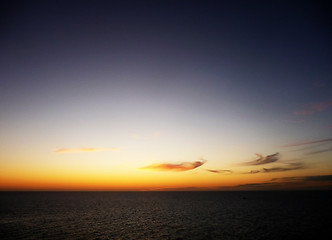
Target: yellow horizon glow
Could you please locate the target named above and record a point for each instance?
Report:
(143, 169)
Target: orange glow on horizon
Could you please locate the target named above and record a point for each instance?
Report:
(133, 181)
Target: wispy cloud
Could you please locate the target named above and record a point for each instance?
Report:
(300, 182)
(313, 147)
(184, 166)
(85, 149)
(292, 166)
(314, 108)
(227, 171)
(308, 143)
(317, 178)
(264, 160)
(288, 167)
(325, 178)
(321, 150)
(252, 172)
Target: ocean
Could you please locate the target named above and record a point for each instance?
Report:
(166, 215)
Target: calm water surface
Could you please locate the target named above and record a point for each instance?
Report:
(165, 215)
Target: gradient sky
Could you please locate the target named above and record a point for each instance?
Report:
(164, 95)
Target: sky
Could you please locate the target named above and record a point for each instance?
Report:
(165, 95)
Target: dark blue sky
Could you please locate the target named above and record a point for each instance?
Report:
(271, 51)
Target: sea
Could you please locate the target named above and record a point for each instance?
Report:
(166, 215)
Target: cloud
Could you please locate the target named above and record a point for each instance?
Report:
(314, 108)
(307, 143)
(252, 172)
(184, 166)
(320, 151)
(78, 150)
(287, 179)
(317, 178)
(220, 171)
(311, 148)
(289, 167)
(264, 160)
(292, 166)
(255, 184)
(325, 178)
(323, 182)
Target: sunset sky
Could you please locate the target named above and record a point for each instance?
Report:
(165, 95)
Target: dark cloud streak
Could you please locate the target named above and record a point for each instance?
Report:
(317, 178)
(280, 169)
(264, 160)
(307, 143)
(290, 167)
(323, 182)
(320, 151)
(227, 171)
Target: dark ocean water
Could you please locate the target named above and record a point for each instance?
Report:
(165, 215)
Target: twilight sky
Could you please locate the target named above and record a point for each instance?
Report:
(159, 95)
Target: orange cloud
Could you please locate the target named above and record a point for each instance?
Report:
(184, 166)
(90, 149)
